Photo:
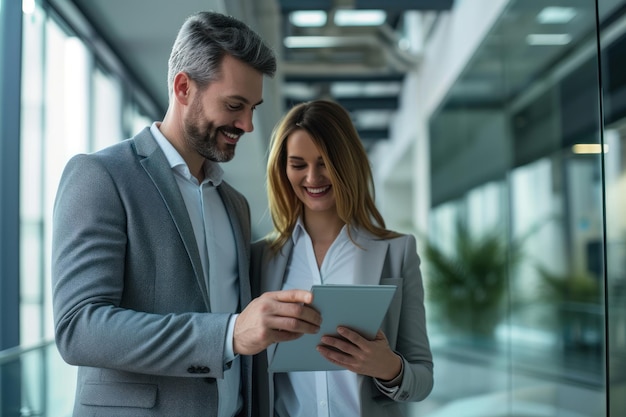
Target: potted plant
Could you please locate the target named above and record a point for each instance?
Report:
(468, 284)
(575, 298)
(575, 286)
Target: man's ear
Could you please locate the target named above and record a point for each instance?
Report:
(182, 88)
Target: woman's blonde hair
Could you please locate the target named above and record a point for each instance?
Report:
(344, 156)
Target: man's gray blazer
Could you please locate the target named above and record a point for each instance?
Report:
(130, 299)
(379, 261)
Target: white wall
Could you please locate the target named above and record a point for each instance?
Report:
(246, 172)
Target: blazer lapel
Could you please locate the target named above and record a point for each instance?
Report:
(371, 259)
(157, 167)
(273, 276)
(242, 244)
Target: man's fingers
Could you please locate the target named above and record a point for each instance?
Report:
(274, 317)
(294, 304)
(299, 312)
(284, 336)
(291, 296)
(295, 325)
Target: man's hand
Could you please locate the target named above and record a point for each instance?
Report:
(275, 316)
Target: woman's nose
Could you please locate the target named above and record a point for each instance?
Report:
(313, 175)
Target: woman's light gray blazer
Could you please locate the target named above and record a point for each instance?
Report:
(131, 304)
(380, 261)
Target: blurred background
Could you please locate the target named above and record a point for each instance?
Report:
(494, 129)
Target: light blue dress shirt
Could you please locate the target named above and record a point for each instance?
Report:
(331, 393)
(319, 394)
(215, 238)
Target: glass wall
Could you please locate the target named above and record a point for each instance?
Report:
(613, 46)
(526, 245)
(70, 103)
(10, 30)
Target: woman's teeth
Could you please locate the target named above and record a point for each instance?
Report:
(317, 190)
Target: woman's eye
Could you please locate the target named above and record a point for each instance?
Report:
(297, 166)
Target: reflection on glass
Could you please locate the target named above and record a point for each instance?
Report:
(61, 90)
(615, 186)
(48, 384)
(107, 114)
(518, 299)
(31, 190)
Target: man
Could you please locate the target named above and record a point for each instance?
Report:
(150, 251)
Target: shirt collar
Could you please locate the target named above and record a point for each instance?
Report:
(299, 230)
(212, 171)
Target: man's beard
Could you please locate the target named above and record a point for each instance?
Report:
(206, 143)
(204, 140)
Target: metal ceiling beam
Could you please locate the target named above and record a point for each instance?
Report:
(328, 76)
(395, 5)
(291, 5)
(358, 103)
(306, 71)
(404, 5)
(365, 103)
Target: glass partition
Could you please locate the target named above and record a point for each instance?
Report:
(70, 103)
(517, 216)
(613, 47)
(47, 389)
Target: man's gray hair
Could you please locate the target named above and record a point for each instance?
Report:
(203, 41)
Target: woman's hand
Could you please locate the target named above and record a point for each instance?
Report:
(366, 357)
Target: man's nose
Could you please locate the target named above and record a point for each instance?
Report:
(244, 122)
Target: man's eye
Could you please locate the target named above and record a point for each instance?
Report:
(234, 106)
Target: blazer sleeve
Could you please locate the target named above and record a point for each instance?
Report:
(412, 339)
(125, 296)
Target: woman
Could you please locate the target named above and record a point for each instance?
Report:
(328, 231)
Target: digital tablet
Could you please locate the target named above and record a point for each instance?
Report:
(359, 307)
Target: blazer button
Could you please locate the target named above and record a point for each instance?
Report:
(198, 369)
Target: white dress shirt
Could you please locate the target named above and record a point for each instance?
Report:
(319, 394)
(216, 241)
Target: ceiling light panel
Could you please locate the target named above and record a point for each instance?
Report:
(590, 148)
(300, 91)
(548, 39)
(344, 17)
(556, 15)
(308, 18)
(372, 119)
(328, 41)
(371, 88)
